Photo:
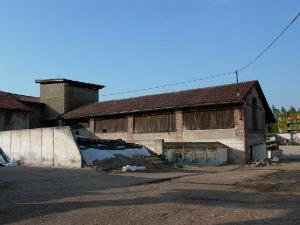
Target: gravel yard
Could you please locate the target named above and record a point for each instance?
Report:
(206, 195)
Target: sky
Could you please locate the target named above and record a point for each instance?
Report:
(136, 44)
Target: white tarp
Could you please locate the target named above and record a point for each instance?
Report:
(91, 154)
(132, 168)
(4, 162)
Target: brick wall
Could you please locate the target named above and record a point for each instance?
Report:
(179, 124)
(130, 128)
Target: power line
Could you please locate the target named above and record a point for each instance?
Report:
(271, 44)
(172, 84)
(214, 76)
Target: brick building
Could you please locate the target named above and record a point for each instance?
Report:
(174, 124)
(234, 115)
(19, 111)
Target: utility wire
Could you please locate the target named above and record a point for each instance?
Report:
(271, 44)
(218, 75)
(172, 84)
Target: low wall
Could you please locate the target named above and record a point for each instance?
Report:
(42, 147)
(236, 153)
(296, 136)
(290, 152)
(156, 146)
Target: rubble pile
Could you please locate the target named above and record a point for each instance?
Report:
(85, 143)
(261, 163)
(108, 155)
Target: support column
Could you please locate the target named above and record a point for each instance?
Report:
(130, 128)
(92, 125)
(240, 122)
(179, 124)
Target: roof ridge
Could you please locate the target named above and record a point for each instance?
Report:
(18, 94)
(219, 94)
(176, 92)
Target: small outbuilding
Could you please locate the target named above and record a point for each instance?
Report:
(196, 153)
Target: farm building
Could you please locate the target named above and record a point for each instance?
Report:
(19, 111)
(212, 125)
(233, 115)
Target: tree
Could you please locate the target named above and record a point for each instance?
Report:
(292, 110)
(283, 111)
(276, 112)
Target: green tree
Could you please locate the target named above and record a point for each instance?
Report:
(292, 110)
(283, 111)
(276, 112)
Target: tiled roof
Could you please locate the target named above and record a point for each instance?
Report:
(10, 102)
(29, 99)
(174, 100)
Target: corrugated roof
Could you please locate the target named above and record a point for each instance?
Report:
(181, 99)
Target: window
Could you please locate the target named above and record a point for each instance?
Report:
(205, 120)
(111, 125)
(155, 123)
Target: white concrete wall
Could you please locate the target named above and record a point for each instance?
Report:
(290, 152)
(288, 136)
(42, 147)
(222, 156)
(259, 152)
(156, 146)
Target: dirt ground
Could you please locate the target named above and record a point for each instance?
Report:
(207, 195)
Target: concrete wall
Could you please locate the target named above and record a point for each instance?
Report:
(259, 152)
(78, 96)
(296, 136)
(156, 146)
(61, 97)
(222, 156)
(53, 95)
(42, 147)
(290, 152)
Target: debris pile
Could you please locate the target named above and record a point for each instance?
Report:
(107, 155)
(261, 163)
(4, 160)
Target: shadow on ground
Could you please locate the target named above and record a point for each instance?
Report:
(44, 192)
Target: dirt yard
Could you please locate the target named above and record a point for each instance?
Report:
(209, 195)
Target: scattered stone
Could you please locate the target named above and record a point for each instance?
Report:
(261, 163)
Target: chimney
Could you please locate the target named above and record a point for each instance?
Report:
(62, 95)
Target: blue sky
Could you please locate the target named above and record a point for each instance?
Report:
(133, 44)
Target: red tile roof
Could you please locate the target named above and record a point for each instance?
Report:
(28, 99)
(174, 100)
(10, 102)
